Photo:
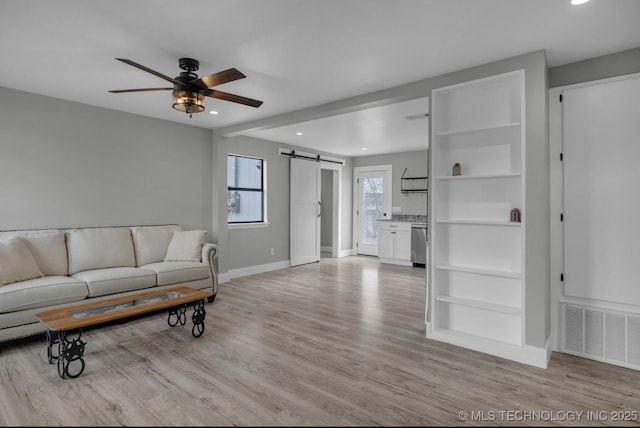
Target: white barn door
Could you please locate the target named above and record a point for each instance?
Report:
(305, 210)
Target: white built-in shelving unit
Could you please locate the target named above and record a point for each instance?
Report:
(477, 281)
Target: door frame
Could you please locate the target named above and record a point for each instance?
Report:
(356, 196)
(336, 223)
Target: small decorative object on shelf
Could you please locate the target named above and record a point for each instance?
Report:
(457, 169)
(515, 215)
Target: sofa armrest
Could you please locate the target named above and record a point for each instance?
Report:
(209, 255)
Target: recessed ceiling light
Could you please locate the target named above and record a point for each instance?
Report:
(298, 133)
(364, 148)
(213, 112)
(577, 2)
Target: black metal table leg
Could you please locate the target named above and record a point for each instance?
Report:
(52, 340)
(198, 316)
(70, 353)
(177, 314)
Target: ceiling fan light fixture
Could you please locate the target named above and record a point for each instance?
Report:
(188, 101)
(188, 90)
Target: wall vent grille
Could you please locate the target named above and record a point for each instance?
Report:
(601, 334)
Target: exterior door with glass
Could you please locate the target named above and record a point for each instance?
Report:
(373, 192)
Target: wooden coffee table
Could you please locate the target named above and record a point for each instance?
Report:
(70, 320)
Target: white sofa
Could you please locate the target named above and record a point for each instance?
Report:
(72, 265)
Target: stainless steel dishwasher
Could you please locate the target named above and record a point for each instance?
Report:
(419, 244)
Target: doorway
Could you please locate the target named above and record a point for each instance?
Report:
(373, 202)
(314, 208)
(331, 199)
(328, 177)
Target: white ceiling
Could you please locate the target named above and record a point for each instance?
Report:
(296, 54)
(378, 130)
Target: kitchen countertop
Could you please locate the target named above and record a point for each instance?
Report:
(408, 218)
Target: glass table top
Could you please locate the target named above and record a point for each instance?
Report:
(122, 305)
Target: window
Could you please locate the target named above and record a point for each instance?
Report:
(245, 190)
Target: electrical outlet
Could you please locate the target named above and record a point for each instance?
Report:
(273, 251)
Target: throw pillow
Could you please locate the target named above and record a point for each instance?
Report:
(17, 262)
(49, 250)
(186, 246)
(151, 242)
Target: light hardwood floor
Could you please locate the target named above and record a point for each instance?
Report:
(335, 343)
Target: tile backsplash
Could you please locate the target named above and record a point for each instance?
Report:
(413, 218)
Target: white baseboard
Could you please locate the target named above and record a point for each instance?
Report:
(396, 262)
(252, 270)
(526, 354)
(341, 253)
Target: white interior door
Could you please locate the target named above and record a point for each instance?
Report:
(373, 202)
(305, 211)
(601, 178)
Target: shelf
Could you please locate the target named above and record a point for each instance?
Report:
(510, 310)
(500, 348)
(479, 177)
(475, 130)
(478, 271)
(477, 256)
(481, 222)
(419, 190)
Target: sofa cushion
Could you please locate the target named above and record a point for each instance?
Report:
(101, 282)
(186, 246)
(175, 272)
(48, 248)
(41, 293)
(17, 262)
(96, 248)
(151, 242)
(50, 251)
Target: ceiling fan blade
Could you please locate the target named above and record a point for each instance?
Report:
(233, 98)
(218, 78)
(148, 70)
(118, 91)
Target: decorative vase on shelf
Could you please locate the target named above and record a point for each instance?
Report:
(515, 215)
(457, 169)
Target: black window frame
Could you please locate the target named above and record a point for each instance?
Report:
(249, 189)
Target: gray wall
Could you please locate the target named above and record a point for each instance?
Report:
(241, 248)
(65, 164)
(602, 67)
(416, 164)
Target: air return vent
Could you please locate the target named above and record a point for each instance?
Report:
(602, 335)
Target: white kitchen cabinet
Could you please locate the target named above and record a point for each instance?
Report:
(394, 242)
